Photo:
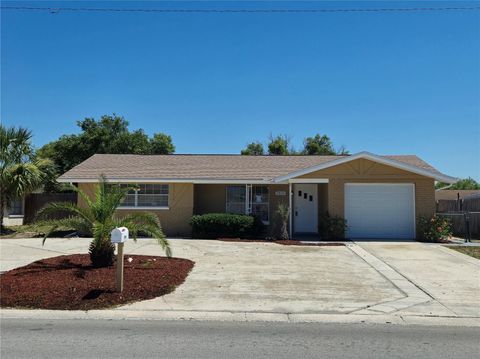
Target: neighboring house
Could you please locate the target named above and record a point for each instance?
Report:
(454, 194)
(379, 196)
(14, 213)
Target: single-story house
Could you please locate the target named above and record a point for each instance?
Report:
(379, 196)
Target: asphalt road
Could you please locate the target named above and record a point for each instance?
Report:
(28, 338)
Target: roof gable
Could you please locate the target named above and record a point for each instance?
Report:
(416, 166)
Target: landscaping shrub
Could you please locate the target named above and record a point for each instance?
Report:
(283, 213)
(332, 227)
(215, 225)
(101, 253)
(435, 229)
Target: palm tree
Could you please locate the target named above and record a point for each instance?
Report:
(283, 213)
(20, 172)
(98, 219)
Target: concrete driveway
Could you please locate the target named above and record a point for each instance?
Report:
(365, 278)
(267, 277)
(451, 279)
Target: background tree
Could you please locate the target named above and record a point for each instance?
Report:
(136, 143)
(109, 134)
(342, 151)
(318, 145)
(20, 172)
(466, 184)
(98, 218)
(161, 144)
(253, 149)
(279, 145)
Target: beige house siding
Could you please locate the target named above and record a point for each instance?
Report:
(175, 220)
(322, 201)
(209, 198)
(365, 171)
(88, 189)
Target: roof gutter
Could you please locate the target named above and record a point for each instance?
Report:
(446, 187)
(166, 180)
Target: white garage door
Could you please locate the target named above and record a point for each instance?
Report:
(380, 210)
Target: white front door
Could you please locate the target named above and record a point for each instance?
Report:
(305, 199)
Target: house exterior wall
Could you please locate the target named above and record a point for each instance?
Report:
(186, 199)
(209, 198)
(365, 171)
(175, 220)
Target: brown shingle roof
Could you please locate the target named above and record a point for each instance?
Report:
(203, 167)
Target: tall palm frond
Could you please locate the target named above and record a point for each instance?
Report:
(15, 146)
(19, 172)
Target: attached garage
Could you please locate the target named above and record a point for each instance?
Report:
(380, 210)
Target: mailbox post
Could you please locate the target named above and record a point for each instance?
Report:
(119, 236)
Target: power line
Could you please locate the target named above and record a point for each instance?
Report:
(345, 10)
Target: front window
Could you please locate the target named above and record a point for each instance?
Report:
(146, 195)
(16, 207)
(248, 199)
(236, 199)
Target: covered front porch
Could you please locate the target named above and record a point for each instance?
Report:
(307, 200)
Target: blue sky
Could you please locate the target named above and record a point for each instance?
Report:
(389, 83)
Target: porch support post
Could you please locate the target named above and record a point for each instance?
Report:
(247, 199)
(290, 210)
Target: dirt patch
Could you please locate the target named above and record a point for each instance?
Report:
(285, 242)
(470, 251)
(70, 282)
(446, 241)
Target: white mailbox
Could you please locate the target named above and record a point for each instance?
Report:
(119, 235)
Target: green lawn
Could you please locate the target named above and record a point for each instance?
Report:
(470, 251)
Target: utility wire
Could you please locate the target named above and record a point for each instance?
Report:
(345, 10)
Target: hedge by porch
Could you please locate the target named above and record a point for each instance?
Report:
(216, 225)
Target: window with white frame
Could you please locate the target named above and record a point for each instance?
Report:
(16, 207)
(146, 195)
(248, 199)
(236, 196)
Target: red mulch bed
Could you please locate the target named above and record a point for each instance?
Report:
(70, 282)
(285, 242)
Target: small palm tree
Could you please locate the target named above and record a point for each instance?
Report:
(20, 171)
(98, 219)
(283, 213)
